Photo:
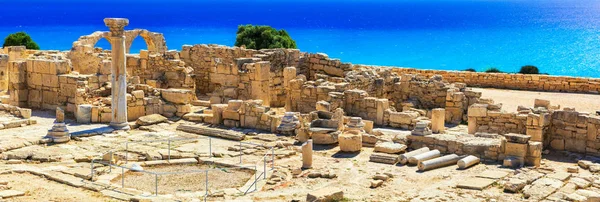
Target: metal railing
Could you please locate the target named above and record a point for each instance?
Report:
(169, 141)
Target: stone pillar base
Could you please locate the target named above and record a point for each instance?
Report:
(120, 126)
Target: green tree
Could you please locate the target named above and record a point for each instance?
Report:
(20, 39)
(263, 37)
(470, 70)
(529, 69)
(493, 70)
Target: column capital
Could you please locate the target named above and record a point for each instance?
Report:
(116, 25)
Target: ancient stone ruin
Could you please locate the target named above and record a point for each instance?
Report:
(269, 107)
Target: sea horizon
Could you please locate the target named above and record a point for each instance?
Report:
(559, 37)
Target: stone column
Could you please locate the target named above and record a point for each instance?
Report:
(438, 117)
(289, 73)
(307, 151)
(119, 73)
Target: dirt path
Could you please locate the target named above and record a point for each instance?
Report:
(511, 99)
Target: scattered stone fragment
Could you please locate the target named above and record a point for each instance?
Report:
(376, 183)
(389, 147)
(475, 183)
(573, 169)
(514, 185)
(151, 119)
(325, 194)
(10, 193)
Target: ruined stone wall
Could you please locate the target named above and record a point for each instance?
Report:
(212, 59)
(514, 81)
(161, 70)
(576, 132)
(3, 72)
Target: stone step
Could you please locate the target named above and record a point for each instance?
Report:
(213, 132)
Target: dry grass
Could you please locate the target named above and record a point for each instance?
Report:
(192, 182)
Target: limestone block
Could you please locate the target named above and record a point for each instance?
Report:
(138, 94)
(438, 118)
(231, 123)
(535, 149)
(25, 113)
(84, 113)
(517, 138)
(368, 126)
(536, 134)
(325, 138)
(477, 110)
(184, 109)
(541, 103)
(403, 117)
(177, 96)
(515, 149)
(234, 105)
(389, 147)
(50, 80)
(558, 144)
(325, 194)
(218, 113)
(133, 113)
(232, 115)
(382, 105)
(60, 115)
(533, 161)
(513, 162)
(323, 106)
(350, 141)
(472, 125)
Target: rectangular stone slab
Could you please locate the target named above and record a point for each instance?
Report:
(11, 193)
(490, 174)
(517, 138)
(475, 183)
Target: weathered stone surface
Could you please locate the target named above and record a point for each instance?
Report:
(350, 142)
(493, 174)
(514, 185)
(389, 147)
(325, 194)
(541, 188)
(177, 96)
(151, 119)
(384, 158)
(475, 183)
(517, 138)
(10, 193)
(215, 132)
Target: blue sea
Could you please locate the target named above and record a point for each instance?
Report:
(561, 37)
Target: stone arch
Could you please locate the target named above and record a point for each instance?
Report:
(86, 60)
(155, 41)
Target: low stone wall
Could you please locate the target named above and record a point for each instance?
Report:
(575, 132)
(513, 81)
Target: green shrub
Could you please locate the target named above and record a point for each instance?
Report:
(470, 70)
(529, 69)
(263, 37)
(493, 70)
(20, 39)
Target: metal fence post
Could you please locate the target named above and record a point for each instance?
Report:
(92, 174)
(169, 148)
(265, 167)
(272, 158)
(240, 152)
(126, 152)
(206, 186)
(255, 173)
(122, 177)
(110, 162)
(209, 147)
(156, 184)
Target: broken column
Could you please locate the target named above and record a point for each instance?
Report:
(289, 73)
(289, 124)
(59, 132)
(307, 151)
(414, 160)
(119, 73)
(467, 162)
(404, 157)
(443, 161)
(351, 139)
(438, 117)
(421, 129)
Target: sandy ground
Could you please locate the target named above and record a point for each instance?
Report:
(40, 189)
(189, 182)
(511, 99)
